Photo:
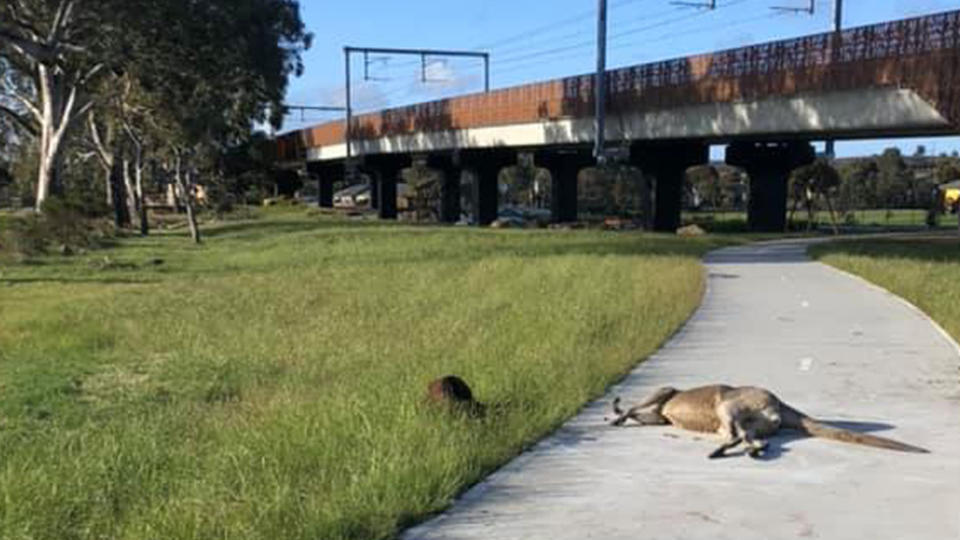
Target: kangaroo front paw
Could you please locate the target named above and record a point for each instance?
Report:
(759, 450)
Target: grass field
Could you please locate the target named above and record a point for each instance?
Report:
(924, 271)
(268, 384)
(895, 218)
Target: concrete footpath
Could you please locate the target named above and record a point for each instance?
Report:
(826, 343)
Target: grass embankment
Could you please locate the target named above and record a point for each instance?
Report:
(924, 271)
(268, 384)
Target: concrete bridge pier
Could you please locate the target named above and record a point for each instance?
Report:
(485, 189)
(384, 170)
(668, 163)
(769, 165)
(564, 167)
(449, 166)
(327, 174)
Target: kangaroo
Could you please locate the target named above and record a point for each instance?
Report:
(743, 414)
(455, 393)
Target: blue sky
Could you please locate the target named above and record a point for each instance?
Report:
(543, 39)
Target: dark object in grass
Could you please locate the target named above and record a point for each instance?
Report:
(453, 392)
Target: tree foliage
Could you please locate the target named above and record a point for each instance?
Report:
(179, 80)
(818, 180)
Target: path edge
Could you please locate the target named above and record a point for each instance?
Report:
(910, 305)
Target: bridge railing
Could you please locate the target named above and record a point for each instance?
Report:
(919, 53)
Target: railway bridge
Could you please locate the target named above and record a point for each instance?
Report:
(766, 102)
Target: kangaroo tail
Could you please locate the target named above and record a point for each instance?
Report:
(803, 423)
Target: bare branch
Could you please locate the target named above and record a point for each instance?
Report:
(105, 157)
(27, 104)
(21, 121)
(68, 115)
(90, 74)
(60, 21)
(32, 32)
(30, 49)
(81, 112)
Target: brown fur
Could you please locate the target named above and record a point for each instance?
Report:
(455, 393)
(743, 414)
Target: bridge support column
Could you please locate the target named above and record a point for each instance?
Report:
(564, 167)
(327, 173)
(668, 163)
(769, 165)
(449, 165)
(384, 170)
(484, 195)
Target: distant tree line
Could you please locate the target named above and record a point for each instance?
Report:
(890, 180)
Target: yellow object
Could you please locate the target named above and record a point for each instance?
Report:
(951, 196)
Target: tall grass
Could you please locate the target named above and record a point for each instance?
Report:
(269, 383)
(924, 271)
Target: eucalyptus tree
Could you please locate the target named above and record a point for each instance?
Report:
(117, 136)
(204, 72)
(52, 51)
(818, 179)
(216, 69)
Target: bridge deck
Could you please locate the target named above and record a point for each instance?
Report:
(918, 54)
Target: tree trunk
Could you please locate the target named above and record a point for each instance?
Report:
(107, 182)
(186, 183)
(138, 191)
(808, 199)
(58, 112)
(133, 205)
(833, 215)
(121, 212)
(793, 212)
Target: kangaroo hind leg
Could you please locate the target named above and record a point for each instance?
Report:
(730, 429)
(642, 417)
(762, 424)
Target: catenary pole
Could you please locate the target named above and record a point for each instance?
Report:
(600, 83)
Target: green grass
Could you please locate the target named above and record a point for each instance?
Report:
(734, 221)
(924, 271)
(268, 384)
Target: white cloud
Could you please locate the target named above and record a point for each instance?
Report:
(443, 76)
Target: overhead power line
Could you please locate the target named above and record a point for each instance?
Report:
(580, 18)
(646, 19)
(658, 39)
(613, 37)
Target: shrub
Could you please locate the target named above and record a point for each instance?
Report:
(64, 224)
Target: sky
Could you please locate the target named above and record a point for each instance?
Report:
(533, 40)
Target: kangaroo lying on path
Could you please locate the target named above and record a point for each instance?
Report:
(742, 414)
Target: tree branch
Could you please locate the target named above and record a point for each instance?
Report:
(23, 122)
(83, 110)
(27, 104)
(104, 155)
(32, 32)
(90, 74)
(60, 21)
(30, 49)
